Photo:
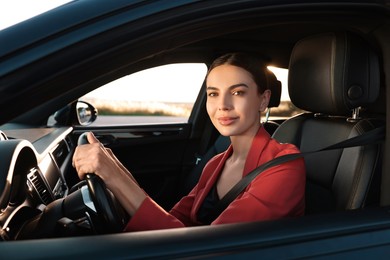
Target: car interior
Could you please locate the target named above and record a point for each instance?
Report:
(340, 179)
(336, 76)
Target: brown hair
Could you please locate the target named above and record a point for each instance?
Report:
(252, 64)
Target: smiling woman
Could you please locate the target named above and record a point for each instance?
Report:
(15, 11)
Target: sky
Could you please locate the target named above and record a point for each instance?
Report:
(167, 83)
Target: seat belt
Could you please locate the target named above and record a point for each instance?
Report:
(374, 136)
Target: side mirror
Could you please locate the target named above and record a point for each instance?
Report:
(86, 113)
(77, 113)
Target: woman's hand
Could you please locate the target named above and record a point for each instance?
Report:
(95, 158)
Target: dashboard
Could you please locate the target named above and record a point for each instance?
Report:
(32, 173)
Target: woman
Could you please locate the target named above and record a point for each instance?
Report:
(237, 93)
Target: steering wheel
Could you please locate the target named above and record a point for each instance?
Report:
(108, 210)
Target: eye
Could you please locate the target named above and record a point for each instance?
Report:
(238, 93)
(212, 94)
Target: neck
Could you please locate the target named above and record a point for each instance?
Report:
(241, 145)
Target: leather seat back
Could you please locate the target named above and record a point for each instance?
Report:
(333, 75)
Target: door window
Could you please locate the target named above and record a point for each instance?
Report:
(164, 94)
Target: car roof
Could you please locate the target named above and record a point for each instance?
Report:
(89, 18)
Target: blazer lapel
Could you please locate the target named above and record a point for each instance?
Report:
(204, 191)
(259, 142)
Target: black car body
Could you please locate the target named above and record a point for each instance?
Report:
(50, 61)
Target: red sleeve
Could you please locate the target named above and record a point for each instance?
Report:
(276, 193)
(150, 216)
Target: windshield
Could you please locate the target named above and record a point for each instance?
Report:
(15, 11)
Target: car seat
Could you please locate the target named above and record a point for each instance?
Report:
(223, 142)
(334, 76)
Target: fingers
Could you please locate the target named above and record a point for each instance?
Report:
(92, 138)
(88, 158)
(93, 158)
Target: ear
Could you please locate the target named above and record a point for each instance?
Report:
(264, 100)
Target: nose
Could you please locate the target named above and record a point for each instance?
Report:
(224, 108)
(225, 103)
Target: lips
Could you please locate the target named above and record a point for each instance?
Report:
(225, 121)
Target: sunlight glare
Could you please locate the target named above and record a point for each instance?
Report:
(15, 11)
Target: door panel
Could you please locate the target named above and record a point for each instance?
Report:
(153, 154)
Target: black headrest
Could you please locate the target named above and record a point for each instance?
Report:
(333, 73)
(276, 89)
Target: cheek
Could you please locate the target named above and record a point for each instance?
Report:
(244, 105)
(210, 107)
(249, 107)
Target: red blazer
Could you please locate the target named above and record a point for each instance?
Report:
(276, 193)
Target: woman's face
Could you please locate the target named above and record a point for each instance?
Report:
(233, 101)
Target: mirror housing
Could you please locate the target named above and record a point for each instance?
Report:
(86, 113)
(77, 113)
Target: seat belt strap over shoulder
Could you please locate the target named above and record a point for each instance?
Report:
(374, 136)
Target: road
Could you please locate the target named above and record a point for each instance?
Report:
(135, 120)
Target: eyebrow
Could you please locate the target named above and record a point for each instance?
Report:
(231, 87)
